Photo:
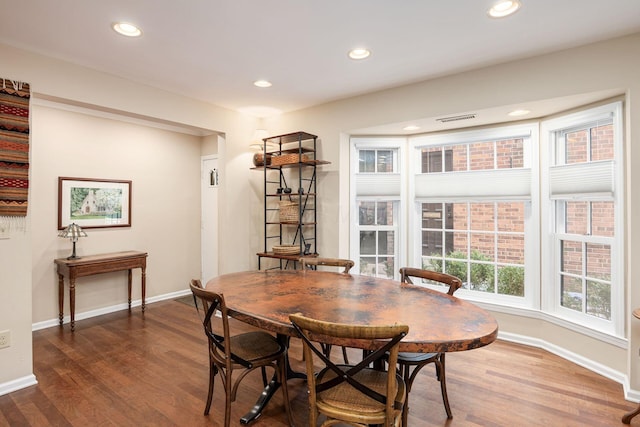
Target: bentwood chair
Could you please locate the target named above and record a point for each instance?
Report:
(244, 352)
(353, 394)
(313, 263)
(417, 361)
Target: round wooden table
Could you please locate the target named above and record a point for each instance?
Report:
(437, 322)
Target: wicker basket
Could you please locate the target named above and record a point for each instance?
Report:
(286, 250)
(287, 159)
(288, 211)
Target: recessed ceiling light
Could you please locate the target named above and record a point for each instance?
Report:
(359, 53)
(262, 83)
(519, 112)
(126, 29)
(504, 8)
(411, 127)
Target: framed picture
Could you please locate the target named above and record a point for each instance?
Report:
(94, 203)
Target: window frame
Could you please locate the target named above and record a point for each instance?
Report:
(554, 235)
(376, 194)
(542, 287)
(529, 132)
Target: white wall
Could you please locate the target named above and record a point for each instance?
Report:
(165, 204)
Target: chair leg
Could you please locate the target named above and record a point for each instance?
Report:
(264, 376)
(213, 370)
(282, 368)
(228, 385)
(404, 372)
(443, 385)
(326, 349)
(344, 355)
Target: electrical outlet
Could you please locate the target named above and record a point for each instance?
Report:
(5, 339)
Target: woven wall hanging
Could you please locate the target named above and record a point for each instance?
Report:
(14, 153)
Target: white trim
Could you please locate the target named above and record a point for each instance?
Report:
(17, 384)
(106, 310)
(604, 337)
(579, 360)
(479, 135)
(113, 114)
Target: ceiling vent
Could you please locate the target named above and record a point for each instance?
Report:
(456, 118)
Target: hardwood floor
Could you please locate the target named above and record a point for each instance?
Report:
(132, 369)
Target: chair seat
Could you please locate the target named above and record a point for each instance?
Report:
(256, 345)
(344, 400)
(415, 357)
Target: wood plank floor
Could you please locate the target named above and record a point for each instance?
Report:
(130, 369)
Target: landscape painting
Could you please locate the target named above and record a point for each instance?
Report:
(94, 203)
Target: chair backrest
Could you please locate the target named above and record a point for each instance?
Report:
(307, 262)
(453, 282)
(381, 341)
(207, 304)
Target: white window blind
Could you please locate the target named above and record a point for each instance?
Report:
(582, 179)
(503, 184)
(370, 184)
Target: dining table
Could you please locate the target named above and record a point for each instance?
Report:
(437, 322)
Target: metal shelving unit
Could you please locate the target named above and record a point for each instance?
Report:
(290, 163)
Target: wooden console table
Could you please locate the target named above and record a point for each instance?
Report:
(97, 264)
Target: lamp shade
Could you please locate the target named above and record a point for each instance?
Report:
(73, 231)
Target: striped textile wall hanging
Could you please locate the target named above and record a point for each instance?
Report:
(14, 151)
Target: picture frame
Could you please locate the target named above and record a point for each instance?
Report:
(93, 202)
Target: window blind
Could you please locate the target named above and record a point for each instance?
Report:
(503, 184)
(378, 184)
(582, 179)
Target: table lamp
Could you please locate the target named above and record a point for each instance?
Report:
(73, 232)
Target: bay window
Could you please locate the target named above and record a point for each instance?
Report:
(527, 216)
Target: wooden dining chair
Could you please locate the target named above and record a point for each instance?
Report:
(243, 352)
(410, 364)
(354, 394)
(313, 263)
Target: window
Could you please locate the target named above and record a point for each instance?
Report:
(480, 243)
(584, 265)
(377, 238)
(472, 192)
(376, 187)
(544, 235)
(376, 161)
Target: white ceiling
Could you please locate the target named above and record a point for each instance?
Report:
(213, 50)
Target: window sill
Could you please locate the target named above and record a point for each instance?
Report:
(547, 317)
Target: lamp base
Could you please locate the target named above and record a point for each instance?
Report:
(73, 253)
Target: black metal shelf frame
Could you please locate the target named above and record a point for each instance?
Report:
(305, 233)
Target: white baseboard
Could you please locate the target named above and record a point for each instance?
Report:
(106, 310)
(598, 368)
(17, 384)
